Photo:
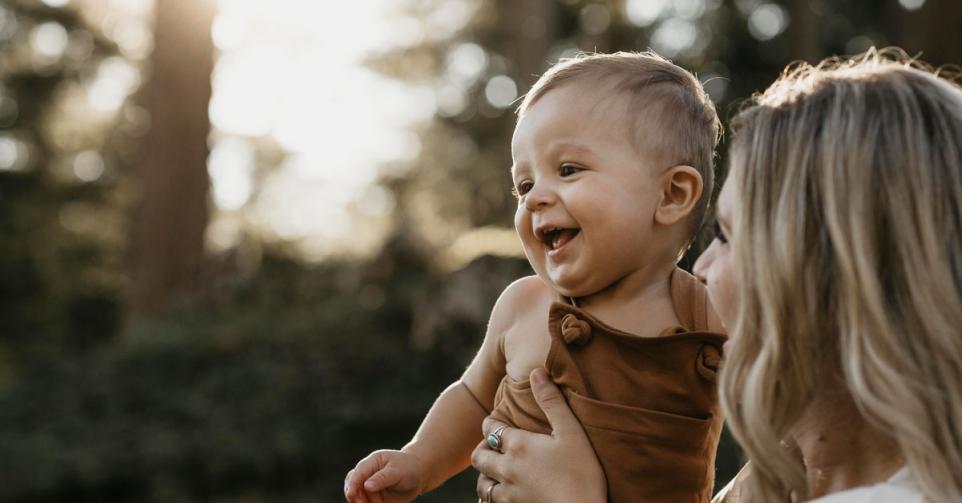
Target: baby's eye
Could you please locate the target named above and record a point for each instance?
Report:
(719, 234)
(568, 170)
(521, 188)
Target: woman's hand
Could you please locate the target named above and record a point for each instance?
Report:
(532, 468)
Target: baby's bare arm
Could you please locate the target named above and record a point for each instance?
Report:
(452, 428)
(448, 434)
(442, 446)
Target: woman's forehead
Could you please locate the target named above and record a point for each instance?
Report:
(726, 198)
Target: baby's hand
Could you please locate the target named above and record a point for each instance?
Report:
(385, 477)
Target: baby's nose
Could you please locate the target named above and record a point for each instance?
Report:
(539, 198)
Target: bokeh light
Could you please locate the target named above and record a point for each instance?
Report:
(501, 91)
(14, 154)
(49, 40)
(674, 36)
(116, 79)
(465, 63)
(88, 166)
(912, 4)
(644, 12)
(595, 19)
(767, 21)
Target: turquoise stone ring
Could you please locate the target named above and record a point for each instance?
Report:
(494, 438)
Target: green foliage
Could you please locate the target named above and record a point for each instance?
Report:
(61, 243)
(265, 391)
(274, 395)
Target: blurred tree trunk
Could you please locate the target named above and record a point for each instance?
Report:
(532, 26)
(167, 246)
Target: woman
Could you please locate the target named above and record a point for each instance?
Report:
(837, 271)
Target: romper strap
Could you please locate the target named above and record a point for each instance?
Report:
(690, 299)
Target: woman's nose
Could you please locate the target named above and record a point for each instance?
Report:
(700, 269)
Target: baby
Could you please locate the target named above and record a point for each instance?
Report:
(612, 170)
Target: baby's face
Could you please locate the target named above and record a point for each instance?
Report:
(586, 197)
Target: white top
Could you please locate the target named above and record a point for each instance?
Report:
(899, 488)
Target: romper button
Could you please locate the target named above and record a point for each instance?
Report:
(708, 362)
(575, 330)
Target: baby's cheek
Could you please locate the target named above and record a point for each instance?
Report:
(521, 219)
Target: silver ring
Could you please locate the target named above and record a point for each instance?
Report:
(494, 438)
(487, 494)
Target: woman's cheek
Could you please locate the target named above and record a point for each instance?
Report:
(721, 290)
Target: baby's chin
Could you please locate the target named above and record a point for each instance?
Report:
(569, 287)
(564, 283)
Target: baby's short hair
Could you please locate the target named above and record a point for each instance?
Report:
(659, 91)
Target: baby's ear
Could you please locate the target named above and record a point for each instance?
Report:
(681, 188)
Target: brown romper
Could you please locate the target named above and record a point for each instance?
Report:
(648, 405)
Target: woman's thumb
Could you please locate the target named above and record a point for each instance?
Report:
(551, 401)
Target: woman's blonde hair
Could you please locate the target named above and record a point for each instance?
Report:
(847, 245)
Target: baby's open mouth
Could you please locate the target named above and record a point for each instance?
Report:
(556, 237)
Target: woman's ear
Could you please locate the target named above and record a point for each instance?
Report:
(681, 187)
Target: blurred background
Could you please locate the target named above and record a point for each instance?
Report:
(244, 243)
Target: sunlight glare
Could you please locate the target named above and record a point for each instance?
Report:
(116, 79)
(231, 165)
(293, 71)
(246, 91)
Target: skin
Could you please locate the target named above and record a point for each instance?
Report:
(839, 449)
(575, 167)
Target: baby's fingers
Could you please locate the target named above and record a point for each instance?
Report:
(386, 477)
(353, 486)
(350, 488)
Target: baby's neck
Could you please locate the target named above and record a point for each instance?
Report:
(641, 299)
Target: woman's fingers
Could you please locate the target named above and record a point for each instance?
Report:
(484, 482)
(487, 461)
(488, 486)
(553, 403)
(489, 426)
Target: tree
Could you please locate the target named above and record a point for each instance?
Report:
(167, 246)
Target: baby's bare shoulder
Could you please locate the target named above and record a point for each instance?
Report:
(520, 299)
